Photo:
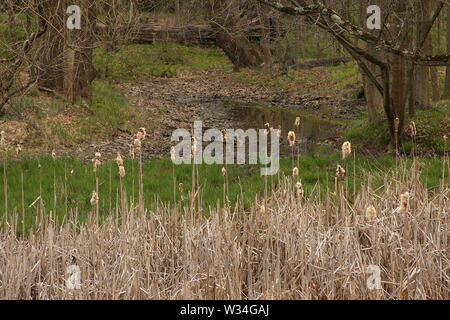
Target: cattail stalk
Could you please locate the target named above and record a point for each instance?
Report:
(23, 208)
(5, 183)
(141, 186)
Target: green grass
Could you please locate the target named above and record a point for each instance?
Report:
(158, 183)
(345, 74)
(431, 126)
(162, 59)
(109, 111)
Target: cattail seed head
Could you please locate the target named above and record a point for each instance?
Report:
(54, 154)
(137, 145)
(297, 121)
(180, 187)
(119, 160)
(404, 203)
(193, 146)
(172, 153)
(267, 126)
(96, 163)
(121, 171)
(142, 133)
(291, 138)
(262, 209)
(279, 132)
(295, 172)
(18, 148)
(94, 198)
(224, 135)
(224, 171)
(299, 189)
(396, 124)
(346, 149)
(3, 139)
(132, 155)
(445, 138)
(412, 127)
(340, 172)
(371, 213)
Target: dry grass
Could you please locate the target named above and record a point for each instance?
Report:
(310, 248)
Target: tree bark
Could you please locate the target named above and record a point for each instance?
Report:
(446, 94)
(66, 55)
(422, 73)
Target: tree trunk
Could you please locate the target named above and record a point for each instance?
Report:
(422, 73)
(446, 94)
(177, 11)
(226, 23)
(66, 55)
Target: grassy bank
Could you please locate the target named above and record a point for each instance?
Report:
(432, 124)
(71, 181)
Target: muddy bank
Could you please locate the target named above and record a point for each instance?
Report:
(166, 104)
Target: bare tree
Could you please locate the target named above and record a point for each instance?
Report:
(446, 94)
(349, 34)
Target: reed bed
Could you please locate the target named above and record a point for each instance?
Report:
(289, 245)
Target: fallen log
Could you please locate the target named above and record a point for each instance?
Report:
(186, 35)
(323, 62)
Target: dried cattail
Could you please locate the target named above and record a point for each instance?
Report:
(297, 121)
(172, 153)
(119, 160)
(404, 203)
(295, 172)
(121, 171)
(279, 132)
(53, 154)
(96, 163)
(267, 126)
(291, 138)
(97, 160)
(396, 124)
(346, 149)
(94, 198)
(299, 189)
(193, 146)
(224, 171)
(142, 133)
(71, 172)
(445, 138)
(18, 148)
(137, 145)
(224, 135)
(3, 139)
(262, 209)
(371, 213)
(412, 127)
(132, 155)
(180, 187)
(340, 172)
